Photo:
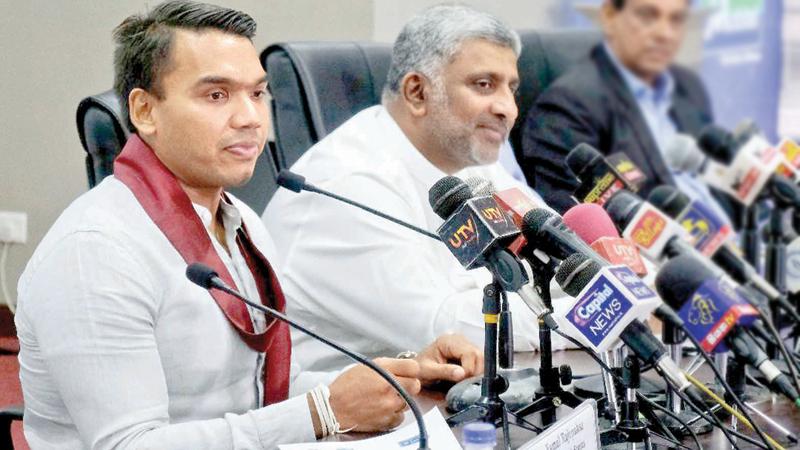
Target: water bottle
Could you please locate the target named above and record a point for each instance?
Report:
(479, 436)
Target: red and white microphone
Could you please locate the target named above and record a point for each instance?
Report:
(592, 224)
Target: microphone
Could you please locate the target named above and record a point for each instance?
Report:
(746, 170)
(657, 236)
(515, 203)
(683, 155)
(610, 302)
(715, 313)
(629, 171)
(297, 183)
(599, 179)
(547, 232)
(207, 278)
(477, 232)
(710, 233)
(703, 223)
(593, 225)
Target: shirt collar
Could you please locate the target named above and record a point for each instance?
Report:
(231, 217)
(660, 93)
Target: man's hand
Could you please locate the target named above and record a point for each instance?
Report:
(451, 357)
(364, 401)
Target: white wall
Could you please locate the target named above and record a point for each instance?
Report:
(389, 15)
(56, 52)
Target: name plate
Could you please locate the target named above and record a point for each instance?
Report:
(577, 431)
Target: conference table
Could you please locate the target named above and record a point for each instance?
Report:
(777, 408)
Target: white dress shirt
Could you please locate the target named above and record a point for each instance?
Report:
(119, 350)
(373, 285)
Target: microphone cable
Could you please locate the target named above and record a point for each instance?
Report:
(790, 362)
(729, 433)
(728, 408)
(619, 380)
(718, 375)
(203, 275)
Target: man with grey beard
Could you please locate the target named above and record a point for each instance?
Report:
(447, 107)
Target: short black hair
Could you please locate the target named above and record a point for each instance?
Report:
(144, 41)
(619, 4)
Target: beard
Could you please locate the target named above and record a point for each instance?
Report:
(457, 138)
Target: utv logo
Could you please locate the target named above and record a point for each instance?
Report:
(493, 214)
(464, 234)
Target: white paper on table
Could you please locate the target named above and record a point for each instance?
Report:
(578, 430)
(405, 438)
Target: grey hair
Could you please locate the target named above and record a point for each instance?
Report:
(431, 39)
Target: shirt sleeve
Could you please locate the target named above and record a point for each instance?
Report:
(91, 310)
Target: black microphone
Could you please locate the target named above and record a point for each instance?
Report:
(294, 182)
(477, 231)
(715, 312)
(207, 278)
(599, 178)
(679, 206)
(547, 232)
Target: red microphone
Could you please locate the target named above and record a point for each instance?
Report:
(591, 222)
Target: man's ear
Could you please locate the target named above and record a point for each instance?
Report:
(607, 13)
(140, 109)
(415, 90)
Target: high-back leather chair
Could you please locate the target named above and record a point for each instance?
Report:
(316, 86)
(103, 133)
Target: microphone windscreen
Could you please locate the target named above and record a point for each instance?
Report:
(590, 222)
(679, 278)
(534, 220)
(575, 272)
(200, 274)
(581, 157)
(622, 207)
(291, 180)
(447, 195)
(682, 154)
(480, 187)
(717, 143)
(669, 200)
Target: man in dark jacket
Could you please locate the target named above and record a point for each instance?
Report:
(626, 96)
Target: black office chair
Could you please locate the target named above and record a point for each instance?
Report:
(316, 86)
(103, 133)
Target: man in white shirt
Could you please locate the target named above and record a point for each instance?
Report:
(117, 348)
(447, 108)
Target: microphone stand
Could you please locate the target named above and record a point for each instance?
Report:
(775, 266)
(629, 428)
(673, 338)
(551, 393)
(751, 240)
(490, 407)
